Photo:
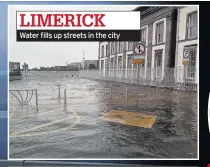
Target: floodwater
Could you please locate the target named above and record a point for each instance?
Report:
(55, 129)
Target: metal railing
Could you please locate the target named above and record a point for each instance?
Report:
(19, 95)
(177, 78)
(25, 96)
(114, 95)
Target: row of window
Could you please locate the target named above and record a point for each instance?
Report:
(158, 57)
(191, 32)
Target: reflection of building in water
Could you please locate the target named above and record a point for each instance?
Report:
(14, 71)
(87, 64)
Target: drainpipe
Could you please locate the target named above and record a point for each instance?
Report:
(177, 45)
(99, 59)
(99, 46)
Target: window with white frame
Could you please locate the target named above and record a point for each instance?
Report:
(106, 64)
(129, 62)
(120, 62)
(143, 34)
(120, 65)
(120, 46)
(102, 64)
(117, 47)
(159, 32)
(192, 25)
(112, 48)
(191, 68)
(107, 50)
(130, 45)
(112, 63)
(158, 62)
(102, 51)
(15, 66)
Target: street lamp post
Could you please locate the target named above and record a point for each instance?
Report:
(83, 53)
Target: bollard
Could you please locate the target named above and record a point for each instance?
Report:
(126, 95)
(59, 92)
(137, 96)
(64, 96)
(36, 97)
(110, 91)
(156, 94)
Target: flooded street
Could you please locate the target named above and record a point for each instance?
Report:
(54, 129)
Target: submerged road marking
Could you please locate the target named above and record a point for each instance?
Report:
(20, 134)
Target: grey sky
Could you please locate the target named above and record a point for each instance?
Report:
(38, 54)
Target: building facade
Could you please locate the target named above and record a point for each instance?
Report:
(61, 68)
(187, 38)
(85, 64)
(25, 67)
(159, 29)
(14, 71)
(14, 68)
(76, 66)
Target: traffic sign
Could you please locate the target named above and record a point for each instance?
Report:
(138, 61)
(186, 53)
(186, 57)
(140, 57)
(139, 52)
(185, 62)
(139, 49)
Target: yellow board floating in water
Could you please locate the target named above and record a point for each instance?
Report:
(130, 118)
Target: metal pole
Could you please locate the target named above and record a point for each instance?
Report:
(83, 53)
(137, 82)
(126, 95)
(156, 94)
(36, 97)
(137, 74)
(64, 96)
(185, 77)
(110, 91)
(59, 92)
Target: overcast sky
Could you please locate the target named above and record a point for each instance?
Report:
(38, 54)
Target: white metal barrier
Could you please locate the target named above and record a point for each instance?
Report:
(177, 78)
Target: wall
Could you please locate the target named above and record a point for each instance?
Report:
(14, 77)
(168, 16)
(182, 42)
(149, 19)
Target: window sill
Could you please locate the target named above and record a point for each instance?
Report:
(191, 38)
(158, 43)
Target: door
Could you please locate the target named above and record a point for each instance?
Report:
(191, 67)
(158, 64)
(120, 66)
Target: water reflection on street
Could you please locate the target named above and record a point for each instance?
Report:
(53, 130)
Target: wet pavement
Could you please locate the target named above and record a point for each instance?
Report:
(75, 130)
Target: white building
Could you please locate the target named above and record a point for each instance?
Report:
(158, 34)
(166, 32)
(187, 38)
